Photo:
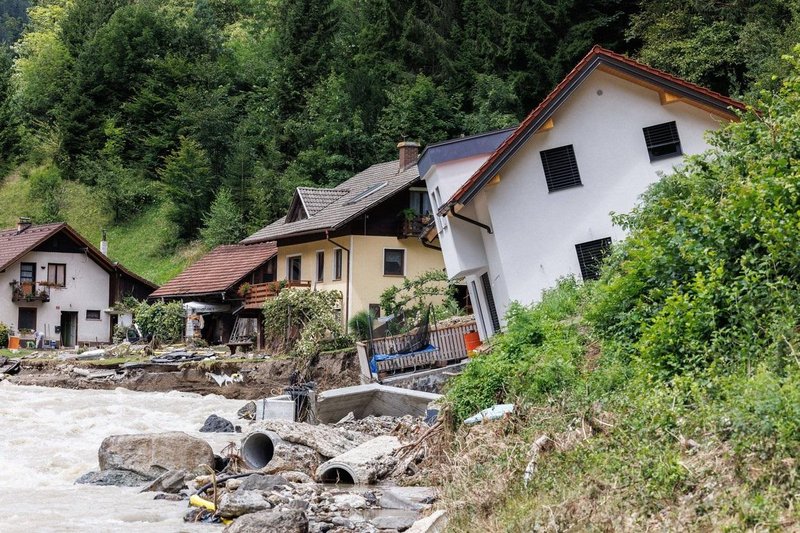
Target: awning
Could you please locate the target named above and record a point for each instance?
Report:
(201, 308)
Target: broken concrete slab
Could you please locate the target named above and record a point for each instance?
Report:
(327, 441)
(371, 399)
(361, 465)
(435, 523)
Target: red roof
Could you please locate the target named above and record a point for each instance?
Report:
(14, 244)
(218, 271)
(597, 56)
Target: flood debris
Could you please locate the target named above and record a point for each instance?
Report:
(491, 413)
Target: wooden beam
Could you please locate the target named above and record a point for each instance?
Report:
(495, 180)
(548, 125)
(668, 98)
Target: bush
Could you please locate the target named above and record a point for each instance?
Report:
(360, 325)
(4, 333)
(297, 321)
(412, 298)
(163, 321)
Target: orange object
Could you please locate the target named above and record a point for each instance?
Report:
(13, 343)
(472, 340)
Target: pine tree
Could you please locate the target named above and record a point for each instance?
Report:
(224, 222)
(188, 179)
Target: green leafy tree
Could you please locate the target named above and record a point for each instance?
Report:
(297, 321)
(223, 223)
(9, 136)
(46, 193)
(187, 176)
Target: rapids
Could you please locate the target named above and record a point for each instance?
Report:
(50, 437)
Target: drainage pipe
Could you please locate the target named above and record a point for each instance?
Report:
(466, 219)
(349, 268)
(359, 466)
(258, 448)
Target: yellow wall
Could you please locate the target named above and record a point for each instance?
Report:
(368, 281)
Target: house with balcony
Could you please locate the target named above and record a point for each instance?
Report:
(59, 284)
(515, 210)
(223, 291)
(359, 237)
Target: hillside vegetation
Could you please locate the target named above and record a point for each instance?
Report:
(669, 390)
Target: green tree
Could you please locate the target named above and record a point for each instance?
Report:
(9, 136)
(187, 176)
(224, 223)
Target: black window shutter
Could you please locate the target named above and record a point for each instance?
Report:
(560, 168)
(487, 290)
(662, 141)
(590, 257)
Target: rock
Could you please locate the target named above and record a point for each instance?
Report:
(248, 412)
(342, 522)
(400, 523)
(169, 497)
(242, 502)
(270, 521)
(119, 478)
(217, 424)
(300, 505)
(292, 457)
(328, 441)
(353, 501)
(297, 477)
(263, 482)
(153, 454)
(171, 482)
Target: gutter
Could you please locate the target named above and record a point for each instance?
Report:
(452, 211)
(349, 276)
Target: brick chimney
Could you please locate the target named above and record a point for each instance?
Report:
(23, 223)
(409, 151)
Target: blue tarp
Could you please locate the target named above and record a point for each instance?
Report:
(373, 363)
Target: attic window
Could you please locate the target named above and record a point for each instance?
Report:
(560, 168)
(662, 141)
(590, 256)
(368, 191)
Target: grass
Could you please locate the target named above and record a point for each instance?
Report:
(142, 244)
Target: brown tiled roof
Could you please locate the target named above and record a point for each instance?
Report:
(597, 56)
(217, 271)
(348, 204)
(14, 244)
(315, 200)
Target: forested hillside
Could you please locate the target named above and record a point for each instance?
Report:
(173, 105)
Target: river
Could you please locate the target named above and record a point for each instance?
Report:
(50, 437)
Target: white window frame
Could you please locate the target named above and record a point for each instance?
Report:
(289, 268)
(338, 259)
(319, 276)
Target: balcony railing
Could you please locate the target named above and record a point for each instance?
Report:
(257, 294)
(27, 291)
(412, 227)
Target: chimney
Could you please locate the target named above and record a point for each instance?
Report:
(409, 151)
(23, 223)
(104, 244)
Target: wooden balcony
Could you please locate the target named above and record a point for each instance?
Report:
(257, 294)
(27, 291)
(412, 227)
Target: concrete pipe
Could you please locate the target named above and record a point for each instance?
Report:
(360, 465)
(258, 448)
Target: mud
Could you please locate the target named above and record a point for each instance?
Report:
(260, 379)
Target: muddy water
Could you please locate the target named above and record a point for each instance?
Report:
(49, 437)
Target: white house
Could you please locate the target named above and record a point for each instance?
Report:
(61, 285)
(518, 209)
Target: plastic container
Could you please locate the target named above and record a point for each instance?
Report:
(472, 340)
(13, 343)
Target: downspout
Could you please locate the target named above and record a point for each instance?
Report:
(426, 244)
(465, 219)
(349, 275)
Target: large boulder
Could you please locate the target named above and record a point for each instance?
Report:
(217, 424)
(119, 478)
(152, 455)
(288, 521)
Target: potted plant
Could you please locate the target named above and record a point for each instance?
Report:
(244, 288)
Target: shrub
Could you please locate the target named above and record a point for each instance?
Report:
(163, 321)
(360, 325)
(4, 333)
(412, 297)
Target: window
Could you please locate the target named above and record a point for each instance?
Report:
(487, 290)
(560, 168)
(27, 272)
(337, 264)
(419, 201)
(662, 141)
(590, 256)
(320, 266)
(293, 267)
(375, 310)
(366, 192)
(92, 314)
(57, 274)
(394, 262)
(436, 198)
(27, 319)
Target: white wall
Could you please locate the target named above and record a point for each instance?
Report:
(87, 288)
(535, 231)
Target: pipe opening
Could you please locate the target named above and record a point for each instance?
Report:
(257, 450)
(338, 476)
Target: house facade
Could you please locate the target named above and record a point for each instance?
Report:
(515, 218)
(359, 237)
(61, 285)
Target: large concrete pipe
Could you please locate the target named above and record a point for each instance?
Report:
(360, 465)
(258, 448)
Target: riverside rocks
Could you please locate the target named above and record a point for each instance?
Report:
(262, 482)
(118, 478)
(217, 424)
(289, 521)
(242, 502)
(154, 454)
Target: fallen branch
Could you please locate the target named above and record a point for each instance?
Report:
(540, 445)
